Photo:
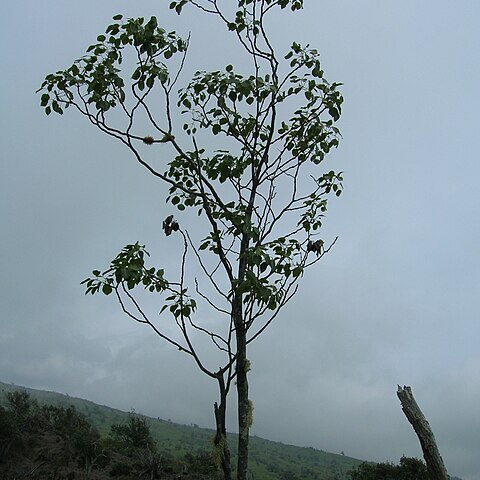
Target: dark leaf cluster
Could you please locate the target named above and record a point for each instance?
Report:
(96, 77)
(127, 268)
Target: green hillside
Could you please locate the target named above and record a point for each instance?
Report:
(268, 460)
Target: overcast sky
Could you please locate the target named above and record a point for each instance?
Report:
(397, 299)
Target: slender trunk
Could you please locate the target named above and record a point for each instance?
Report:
(222, 450)
(435, 466)
(244, 407)
(241, 365)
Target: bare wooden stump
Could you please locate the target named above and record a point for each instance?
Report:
(435, 466)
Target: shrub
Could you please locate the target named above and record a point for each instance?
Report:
(133, 435)
(149, 465)
(23, 408)
(409, 469)
(201, 462)
(119, 469)
(8, 434)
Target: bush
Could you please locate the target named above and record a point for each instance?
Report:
(8, 434)
(409, 469)
(201, 462)
(79, 434)
(23, 409)
(20, 417)
(149, 465)
(119, 469)
(133, 435)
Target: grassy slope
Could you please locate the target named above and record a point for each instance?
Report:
(268, 460)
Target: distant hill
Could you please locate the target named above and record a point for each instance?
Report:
(268, 460)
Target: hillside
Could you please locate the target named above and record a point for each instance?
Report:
(269, 460)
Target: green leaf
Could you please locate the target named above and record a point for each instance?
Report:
(118, 17)
(150, 82)
(44, 100)
(136, 74)
(162, 309)
(334, 113)
(204, 245)
(297, 271)
(56, 107)
(107, 289)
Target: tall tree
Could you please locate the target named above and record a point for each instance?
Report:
(247, 158)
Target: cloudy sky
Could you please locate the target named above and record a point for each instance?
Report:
(396, 301)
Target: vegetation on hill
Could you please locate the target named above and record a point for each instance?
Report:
(46, 435)
(41, 442)
(408, 469)
(185, 445)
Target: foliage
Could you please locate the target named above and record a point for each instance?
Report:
(408, 469)
(20, 417)
(133, 435)
(24, 419)
(81, 438)
(120, 469)
(8, 434)
(22, 407)
(201, 462)
(149, 465)
(229, 104)
(267, 459)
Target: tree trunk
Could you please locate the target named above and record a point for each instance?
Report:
(220, 441)
(241, 365)
(435, 466)
(244, 407)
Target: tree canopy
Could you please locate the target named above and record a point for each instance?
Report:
(246, 153)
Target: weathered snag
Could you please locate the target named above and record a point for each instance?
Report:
(435, 466)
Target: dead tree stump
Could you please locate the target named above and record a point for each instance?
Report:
(435, 466)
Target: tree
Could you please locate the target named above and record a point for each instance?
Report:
(133, 435)
(81, 438)
(134, 438)
(247, 158)
(8, 433)
(22, 407)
